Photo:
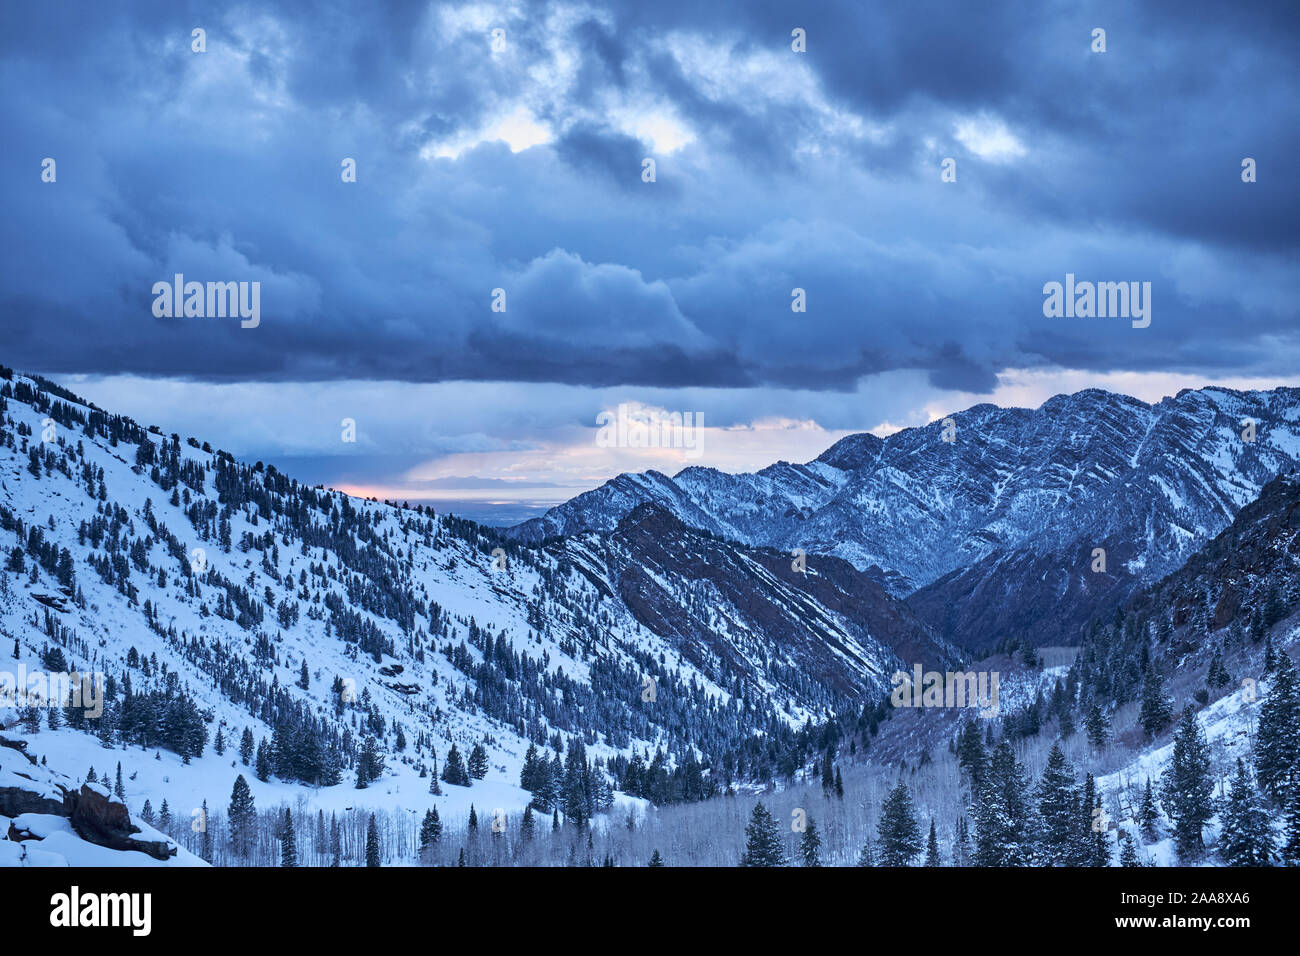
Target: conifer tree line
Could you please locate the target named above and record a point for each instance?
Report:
(1059, 819)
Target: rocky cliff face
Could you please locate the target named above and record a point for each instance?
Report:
(748, 614)
(33, 799)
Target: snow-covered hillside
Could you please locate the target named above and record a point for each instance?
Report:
(224, 602)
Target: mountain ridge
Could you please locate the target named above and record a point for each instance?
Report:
(1017, 491)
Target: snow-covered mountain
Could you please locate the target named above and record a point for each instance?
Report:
(1214, 631)
(992, 533)
(1248, 577)
(225, 602)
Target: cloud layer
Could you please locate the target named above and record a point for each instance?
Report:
(520, 169)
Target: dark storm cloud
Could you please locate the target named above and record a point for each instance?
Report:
(817, 171)
(607, 155)
(1184, 91)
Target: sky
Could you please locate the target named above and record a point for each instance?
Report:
(504, 147)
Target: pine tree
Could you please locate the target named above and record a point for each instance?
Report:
(528, 775)
(971, 756)
(1188, 785)
(1157, 711)
(932, 848)
(146, 812)
(1128, 852)
(529, 824)
(430, 830)
(453, 769)
(370, 762)
(1098, 726)
(473, 819)
(242, 816)
(866, 857)
(1058, 807)
(656, 859)
(1218, 675)
(164, 817)
(810, 843)
(433, 777)
(898, 833)
(1148, 812)
(1094, 847)
(372, 843)
(1277, 743)
(263, 762)
(762, 840)
(246, 746)
(478, 762)
(1002, 819)
(576, 793)
(839, 784)
(1246, 834)
(322, 834)
(288, 842)
(1291, 849)
(118, 790)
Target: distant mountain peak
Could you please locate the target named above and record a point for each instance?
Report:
(852, 451)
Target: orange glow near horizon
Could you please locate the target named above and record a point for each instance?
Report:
(484, 495)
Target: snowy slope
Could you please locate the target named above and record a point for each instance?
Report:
(174, 568)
